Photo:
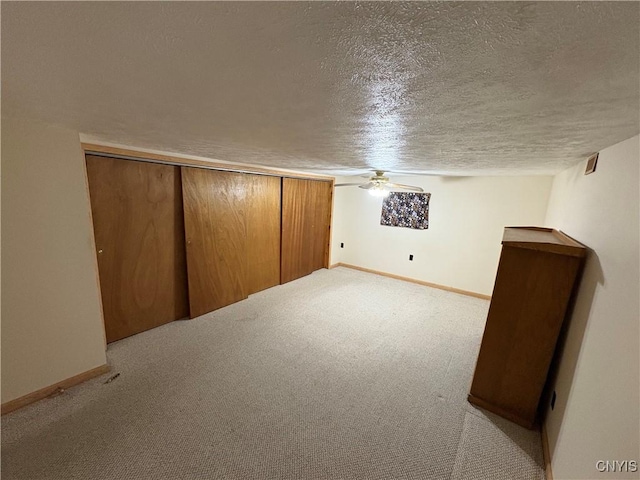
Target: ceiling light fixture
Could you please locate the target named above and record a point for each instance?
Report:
(379, 191)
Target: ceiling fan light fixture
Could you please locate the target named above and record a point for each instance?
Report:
(379, 185)
(379, 191)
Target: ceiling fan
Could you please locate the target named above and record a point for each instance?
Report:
(380, 186)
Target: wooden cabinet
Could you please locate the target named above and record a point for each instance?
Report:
(306, 210)
(137, 221)
(536, 276)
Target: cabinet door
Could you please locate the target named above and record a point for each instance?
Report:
(263, 232)
(138, 224)
(216, 237)
(306, 209)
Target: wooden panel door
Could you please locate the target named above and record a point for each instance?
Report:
(216, 237)
(306, 209)
(138, 225)
(263, 232)
(322, 195)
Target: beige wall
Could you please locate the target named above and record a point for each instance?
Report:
(596, 416)
(51, 322)
(460, 249)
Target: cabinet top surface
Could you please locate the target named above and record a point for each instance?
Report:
(546, 239)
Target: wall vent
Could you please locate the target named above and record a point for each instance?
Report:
(591, 164)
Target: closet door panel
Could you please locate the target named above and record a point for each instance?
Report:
(305, 226)
(138, 224)
(321, 222)
(297, 255)
(263, 232)
(216, 237)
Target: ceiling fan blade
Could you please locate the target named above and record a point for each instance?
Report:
(367, 186)
(346, 184)
(404, 187)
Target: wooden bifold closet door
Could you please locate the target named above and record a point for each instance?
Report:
(263, 233)
(232, 228)
(138, 225)
(216, 237)
(306, 210)
(176, 241)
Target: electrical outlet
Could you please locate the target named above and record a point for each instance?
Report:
(411, 258)
(553, 400)
(341, 245)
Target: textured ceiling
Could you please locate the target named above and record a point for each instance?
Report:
(454, 88)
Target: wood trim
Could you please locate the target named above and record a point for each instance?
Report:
(105, 150)
(93, 246)
(414, 280)
(32, 397)
(546, 453)
(500, 412)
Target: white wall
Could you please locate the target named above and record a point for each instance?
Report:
(596, 416)
(51, 322)
(460, 249)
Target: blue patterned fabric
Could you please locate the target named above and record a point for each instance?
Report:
(404, 209)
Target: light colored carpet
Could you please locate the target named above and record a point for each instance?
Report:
(338, 375)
